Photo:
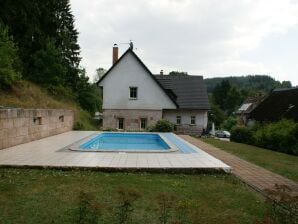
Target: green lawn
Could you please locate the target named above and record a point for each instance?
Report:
(52, 196)
(281, 163)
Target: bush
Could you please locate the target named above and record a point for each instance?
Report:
(162, 126)
(78, 126)
(281, 136)
(229, 123)
(242, 135)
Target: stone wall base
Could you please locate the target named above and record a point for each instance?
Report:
(132, 118)
(189, 130)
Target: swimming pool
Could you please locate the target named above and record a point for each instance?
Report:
(133, 142)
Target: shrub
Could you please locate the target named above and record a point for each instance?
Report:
(229, 123)
(165, 207)
(242, 135)
(126, 199)
(281, 136)
(78, 126)
(88, 210)
(162, 126)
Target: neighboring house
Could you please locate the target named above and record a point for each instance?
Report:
(279, 104)
(134, 98)
(243, 113)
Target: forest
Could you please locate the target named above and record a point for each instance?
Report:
(39, 44)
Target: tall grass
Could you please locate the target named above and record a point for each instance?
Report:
(25, 94)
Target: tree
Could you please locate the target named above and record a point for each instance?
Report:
(178, 73)
(33, 23)
(215, 115)
(67, 40)
(99, 73)
(233, 99)
(88, 95)
(9, 60)
(48, 66)
(220, 93)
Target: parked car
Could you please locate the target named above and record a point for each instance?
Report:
(222, 134)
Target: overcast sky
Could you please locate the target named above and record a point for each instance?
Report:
(213, 38)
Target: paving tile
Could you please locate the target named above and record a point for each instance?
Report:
(50, 152)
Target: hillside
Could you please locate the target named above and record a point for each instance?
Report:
(250, 82)
(25, 94)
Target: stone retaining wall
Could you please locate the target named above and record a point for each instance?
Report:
(19, 126)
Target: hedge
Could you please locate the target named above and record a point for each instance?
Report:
(280, 136)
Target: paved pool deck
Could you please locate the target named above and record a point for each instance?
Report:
(53, 152)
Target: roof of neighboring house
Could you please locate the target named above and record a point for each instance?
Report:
(129, 50)
(249, 104)
(281, 103)
(244, 108)
(189, 91)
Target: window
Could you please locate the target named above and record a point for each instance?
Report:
(120, 123)
(178, 119)
(143, 123)
(192, 119)
(133, 92)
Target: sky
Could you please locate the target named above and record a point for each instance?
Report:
(213, 38)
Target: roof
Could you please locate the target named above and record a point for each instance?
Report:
(129, 50)
(249, 104)
(281, 103)
(188, 91)
(244, 106)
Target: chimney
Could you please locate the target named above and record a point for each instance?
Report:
(161, 72)
(115, 53)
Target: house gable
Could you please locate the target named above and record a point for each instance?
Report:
(129, 71)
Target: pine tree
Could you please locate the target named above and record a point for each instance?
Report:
(67, 41)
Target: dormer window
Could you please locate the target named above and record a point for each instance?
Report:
(133, 93)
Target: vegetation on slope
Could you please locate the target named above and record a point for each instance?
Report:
(25, 94)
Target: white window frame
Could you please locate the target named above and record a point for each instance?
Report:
(136, 93)
(180, 119)
(146, 122)
(192, 118)
(118, 123)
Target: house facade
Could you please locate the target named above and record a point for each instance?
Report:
(134, 98)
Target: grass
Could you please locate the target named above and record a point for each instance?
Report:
(280, 163)
(25, 94)
(51, 196)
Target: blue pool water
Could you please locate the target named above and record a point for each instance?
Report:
(126, 141)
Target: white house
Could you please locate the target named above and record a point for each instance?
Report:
(134, 98)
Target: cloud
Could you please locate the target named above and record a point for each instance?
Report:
(195, 36)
